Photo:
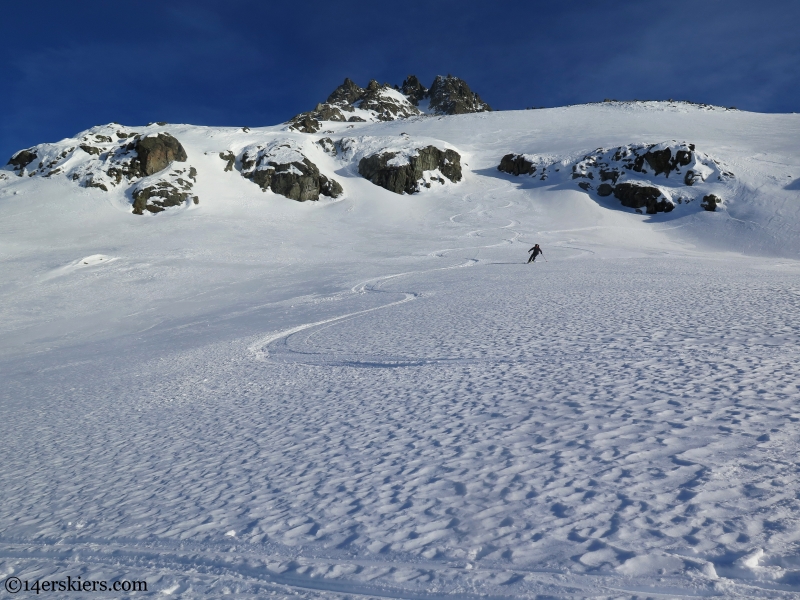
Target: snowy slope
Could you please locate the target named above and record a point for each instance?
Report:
(374, 394)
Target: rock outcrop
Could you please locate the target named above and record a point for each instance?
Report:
(155, 194)
(283, 168)
(347, 93)
(111, 156)
(452, 96)
(638, 175)
(22, 159)
(710, 202)
(516, 164)
(637, 195)
(405, 176)
(383, 102)
(156, 152)
(414, 90)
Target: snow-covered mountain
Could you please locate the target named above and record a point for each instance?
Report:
(311, 361)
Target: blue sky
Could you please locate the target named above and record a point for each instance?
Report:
(70, 65)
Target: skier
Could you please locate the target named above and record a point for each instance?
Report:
(536, 251)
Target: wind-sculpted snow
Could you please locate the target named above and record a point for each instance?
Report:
(376, 396)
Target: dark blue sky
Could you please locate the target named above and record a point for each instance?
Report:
(70, 65)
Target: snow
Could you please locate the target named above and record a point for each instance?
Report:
(376, 396)
(403, 146)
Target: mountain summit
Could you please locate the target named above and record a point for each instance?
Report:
(384, 102)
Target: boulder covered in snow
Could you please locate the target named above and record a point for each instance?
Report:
(403, 166)
(282, 167)
(157, 194)
(22, 159)
(654, 177)
(111, 156)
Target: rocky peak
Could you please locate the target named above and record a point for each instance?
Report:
(414, 90)
(347, 93)
(384, 102)
(452, 96)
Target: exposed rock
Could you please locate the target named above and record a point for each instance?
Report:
(405, 178)
(347, 93)
(710, 202)
(327, 145)
(414, 90)
(385, 102)
(516, 164)
(305, 123)
(637, 195)
(165, 194)
(229, 158)
(631, 172)
(90, 149)
(693, 177)
(452, 96)
(284, 169)
(299, 181)
(22, 159)
(91, 183)
(664, 161)
(156, 152)
(604, 189)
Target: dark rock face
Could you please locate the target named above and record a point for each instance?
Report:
(635, 195)
(692, 177)
(167, 194)
(156, 196)
(663, 161)
(448, 96)
(297, 180)
(309, 122)
(405, 178)
(90, 149)
(617, 168)
(347, 93)
(516, 164)
(327, 145)
(604, 189)
(22, 159)
(385, 107)
(414, 90)
(305, 123)
(710, 202)
(229, 158)
(452, 96)
(156, 152)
